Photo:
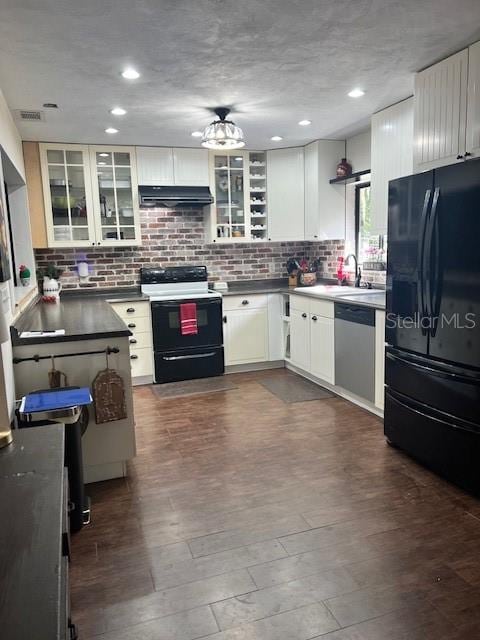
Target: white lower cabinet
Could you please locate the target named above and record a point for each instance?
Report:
(312, 338)
(300, 338)
(322, 347)
(136, 316)
(245, 329)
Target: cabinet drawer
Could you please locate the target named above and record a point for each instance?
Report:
(140, 341)
(132, 309)
(141, 361)
(323, 308)
(255, 301)
(138, 324)
(301, 303)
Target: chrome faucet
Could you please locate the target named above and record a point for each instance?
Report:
(358, 272)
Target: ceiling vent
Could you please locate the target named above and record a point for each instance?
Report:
(27, 115)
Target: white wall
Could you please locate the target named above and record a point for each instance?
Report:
(358, 151)
(11, 156)
(10, 140)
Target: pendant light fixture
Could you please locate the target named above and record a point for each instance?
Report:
(222, 133)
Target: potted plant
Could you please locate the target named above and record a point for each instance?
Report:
(51, 285)
(24, 273)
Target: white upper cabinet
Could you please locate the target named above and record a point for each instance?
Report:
(115, 196)
(162, 166)
(440, 112)
(324, 202)
(286, 194)
(190, 167)
(392, 157)
(473, 105)
(155, 166)
(90, 195)
(67, 193)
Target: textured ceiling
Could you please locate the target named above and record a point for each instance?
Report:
(275, 61)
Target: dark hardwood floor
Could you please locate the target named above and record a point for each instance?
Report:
(245, 518)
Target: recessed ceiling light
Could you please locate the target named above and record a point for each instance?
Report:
(130, 74)
(197, 134)
(356, 93)
(111, 130)
(276, 138)
(305, 123)
(104, 155)
(118, 111)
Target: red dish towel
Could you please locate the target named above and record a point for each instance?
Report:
(188, 319)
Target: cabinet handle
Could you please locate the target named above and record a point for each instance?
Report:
(459, 157)
(130, 310)
(225, 319)
(244, 302)
(133, 341)
(134, 357)
(132, 325)
(314, 318)
(304, 315)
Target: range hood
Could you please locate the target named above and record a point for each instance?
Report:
(153, 196)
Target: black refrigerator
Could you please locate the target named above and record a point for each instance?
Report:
(432, 360)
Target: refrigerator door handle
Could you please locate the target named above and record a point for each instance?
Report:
(427, 262)
(448, 375)
(436, 282)
(421, 253)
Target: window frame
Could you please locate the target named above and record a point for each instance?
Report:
(358, 188)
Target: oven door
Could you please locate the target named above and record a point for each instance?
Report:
(166, 324)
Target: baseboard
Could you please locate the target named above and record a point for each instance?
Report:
(343, 393)
(254, 366)
(107, 471)
(139, 380)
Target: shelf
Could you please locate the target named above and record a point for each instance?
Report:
(261, 164)
(353, 177)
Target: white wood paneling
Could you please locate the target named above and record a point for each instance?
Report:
(392, 156)
(324, 202)
(286, 193)
(440, 112)
(473, 106)
(190, 167)
(155, 166)
(379, 358)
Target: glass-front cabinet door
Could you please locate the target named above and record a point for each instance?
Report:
(67, 194)
(115, 193)
(229, 175)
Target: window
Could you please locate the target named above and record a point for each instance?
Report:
(368, 247)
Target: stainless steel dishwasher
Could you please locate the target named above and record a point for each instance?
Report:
(355, 349)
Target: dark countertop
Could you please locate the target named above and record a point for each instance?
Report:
(31, 515)
(84, 317)
(118, 294)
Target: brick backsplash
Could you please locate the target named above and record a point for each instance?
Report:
(177, 237)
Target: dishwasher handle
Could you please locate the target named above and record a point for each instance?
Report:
(355, 313)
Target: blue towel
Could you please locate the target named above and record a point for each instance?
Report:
(61, 399)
